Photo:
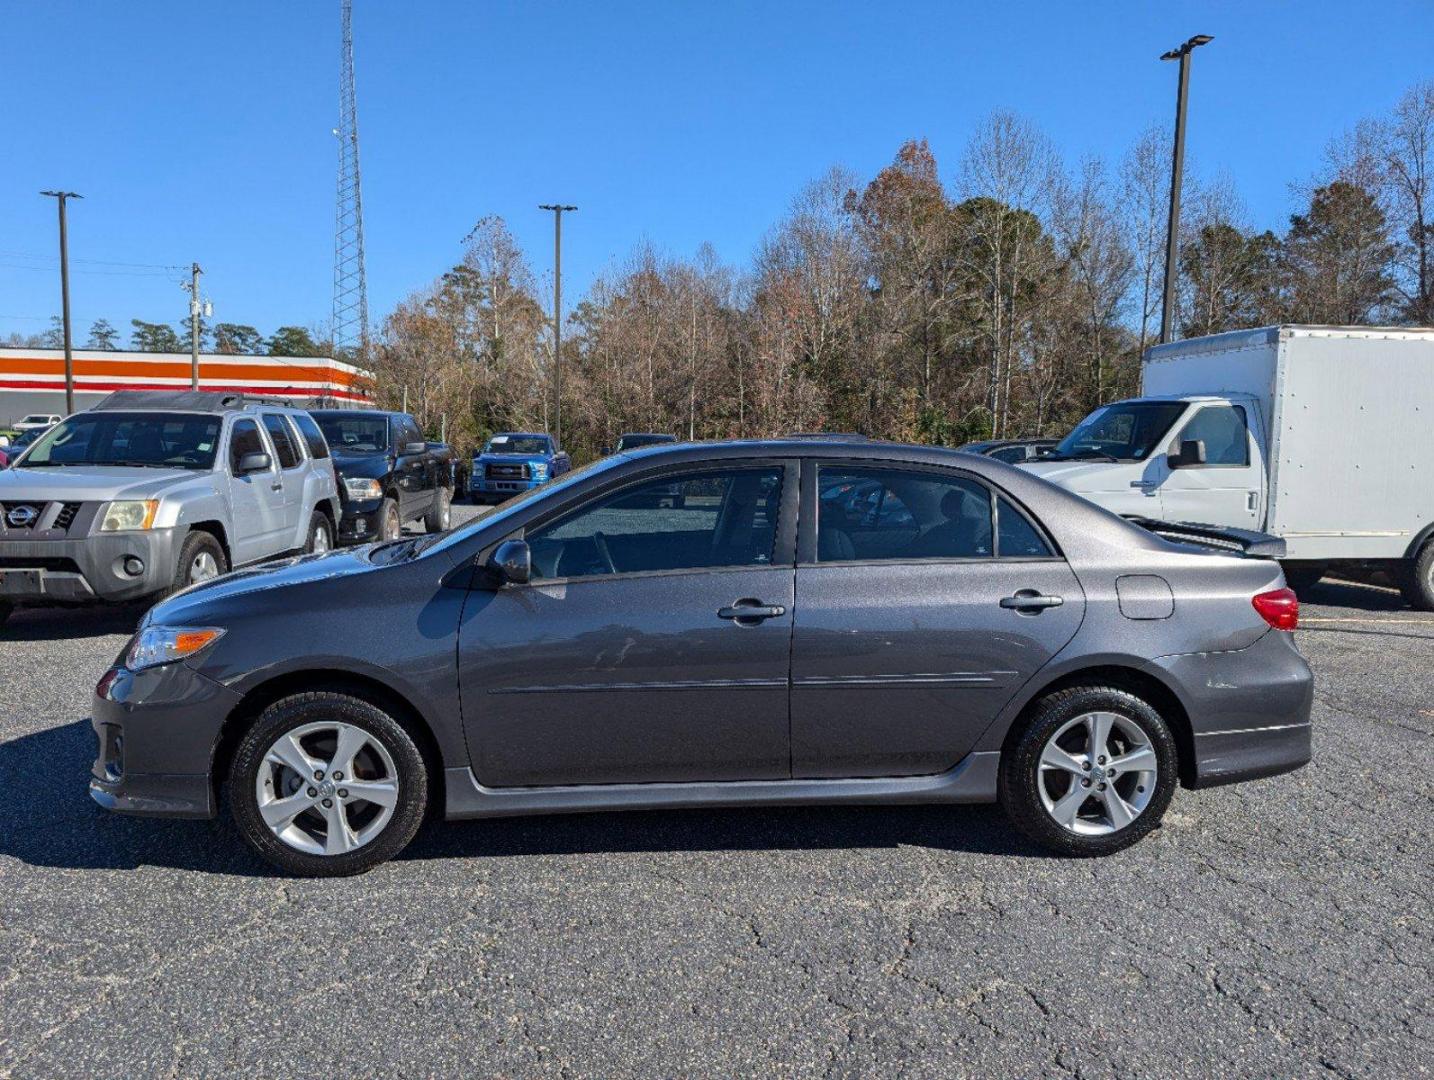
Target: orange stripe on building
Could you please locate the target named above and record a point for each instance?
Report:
(215, 370)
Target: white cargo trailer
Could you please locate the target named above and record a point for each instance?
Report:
(1320, 435)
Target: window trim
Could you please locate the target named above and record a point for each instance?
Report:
(289, 430)
(1201, 407)
(811, 505)
(263, 441)
(783, 544)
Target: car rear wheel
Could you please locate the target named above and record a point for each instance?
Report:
(1418, 579)
(441, 513)
(200, 559)
(321, 534)
(1091, 772)
(390, 524)
(327, 785)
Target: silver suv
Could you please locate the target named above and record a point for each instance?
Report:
(151, 491)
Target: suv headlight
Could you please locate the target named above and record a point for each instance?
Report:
(130, 515)
(362, 489)
(155, 645)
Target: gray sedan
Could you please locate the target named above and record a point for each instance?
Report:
(984, 636)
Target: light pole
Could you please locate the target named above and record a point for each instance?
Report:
(195, 308)
(557, 210)
(1177, 167)
(61, 196)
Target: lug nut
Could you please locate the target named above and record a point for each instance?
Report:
(338, 775)
(1101, 759)
(318, 774)
(1109, 772)
(1085, 765)
(343, 793)
(328, 802)
(1102, 787)
(1085, 781)
(313, 792)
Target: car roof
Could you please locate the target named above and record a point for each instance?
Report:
(521, 435)
(196, 401)
(648, 435)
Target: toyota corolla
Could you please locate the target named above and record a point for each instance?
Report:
(974, 634)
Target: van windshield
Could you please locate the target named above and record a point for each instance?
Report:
(1125, 431)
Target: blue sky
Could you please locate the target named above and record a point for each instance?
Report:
(202, 131)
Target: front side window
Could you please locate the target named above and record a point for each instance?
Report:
(1223, 430)
(284, 447)
(692, 521)
(868, 514)
(158, 440)
(244, 439)
(1125, 431)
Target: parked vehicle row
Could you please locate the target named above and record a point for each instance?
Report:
(813, 621)
(512, 462)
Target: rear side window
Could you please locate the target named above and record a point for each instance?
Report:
(1016, 538)
(244, 439)
(866, 514)
(283, 441)
(318, 445)
(1223, 430)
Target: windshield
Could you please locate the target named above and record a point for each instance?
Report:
(632, 442)
(517, 444)
(157, 440)
(36, 418)
(1125, 431)
(355, 434)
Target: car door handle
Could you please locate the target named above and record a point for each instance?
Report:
(276, 486)
(1145, 483)
(1028, 600)
(753, 611)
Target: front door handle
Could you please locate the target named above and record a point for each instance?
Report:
(276, 486)
(749, 612)
(1030, 602)
(1145, 483)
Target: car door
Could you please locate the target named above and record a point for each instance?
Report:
(652, 643)
(289, 494)
(413, 472)
(915, 628)
(254, 499)
(1226, 489)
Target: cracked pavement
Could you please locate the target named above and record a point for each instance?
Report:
(1279, 928)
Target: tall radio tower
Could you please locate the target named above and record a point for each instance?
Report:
(350, 329)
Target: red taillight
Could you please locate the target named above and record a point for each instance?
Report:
(1279, 607)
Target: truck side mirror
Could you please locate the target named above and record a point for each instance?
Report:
(414, 447)
(256, 461)
(606, 450)
(1191, 452)
(512, 562)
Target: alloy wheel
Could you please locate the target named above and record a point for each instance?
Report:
(326, 788)
(204, 567)
(321, 540)
(1097, 773)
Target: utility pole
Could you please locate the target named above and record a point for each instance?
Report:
(557, 210)
(194, 306)
(1177, 168)
(61, 196)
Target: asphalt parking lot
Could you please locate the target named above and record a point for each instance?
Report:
(1280, 928)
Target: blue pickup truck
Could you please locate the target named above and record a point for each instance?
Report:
(514, 461)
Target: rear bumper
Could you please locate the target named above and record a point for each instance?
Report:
(1249, 709)
(86, 569)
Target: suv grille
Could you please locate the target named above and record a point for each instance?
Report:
(54, 565)
(66, 517)
(22, 515)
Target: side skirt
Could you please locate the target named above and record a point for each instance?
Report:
(971, 780)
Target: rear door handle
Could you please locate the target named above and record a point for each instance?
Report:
(1144, 483)
(1031, 602)
(751, 612)
(276, 486)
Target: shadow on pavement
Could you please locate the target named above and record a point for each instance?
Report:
(1337, 592)
(48, 819)
(65, 624)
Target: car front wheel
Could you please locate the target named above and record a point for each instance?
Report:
(200, 559)
(1091, 772)
(390, 523)
(327, 785)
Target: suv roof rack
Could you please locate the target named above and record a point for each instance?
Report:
(187, 400)
(841, 436)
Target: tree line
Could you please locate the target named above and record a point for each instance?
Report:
(223, 337)
(1006, 298)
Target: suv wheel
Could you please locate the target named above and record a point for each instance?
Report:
(1418, 579)
(441, 513)
(390, 525)
(1091, 773)
(321, 534)
(200, 559)
(327, 785)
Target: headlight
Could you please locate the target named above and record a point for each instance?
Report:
(363, 489)
(156, 645)
(540, 470)
(127, 516)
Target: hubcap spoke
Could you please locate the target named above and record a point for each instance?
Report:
(280, 812)
(1141, 759)
(1053, 757)
(351, 740)
(287, 751)
(1064, 811)
(341, 838)
(380, 792)
(1100, 725)
(1117, 809)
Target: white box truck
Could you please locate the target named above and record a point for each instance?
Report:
(1322, 436)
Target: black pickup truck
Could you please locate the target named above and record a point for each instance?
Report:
(388, 474)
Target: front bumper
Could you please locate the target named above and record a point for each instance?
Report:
(86, 569)
(483, 488)
(359, 523)
(156, 732)
(1249, 709)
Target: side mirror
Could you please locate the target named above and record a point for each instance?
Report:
(1191, 452)
(414, 447)
(606, 450)
(512, 562)
(254, 462)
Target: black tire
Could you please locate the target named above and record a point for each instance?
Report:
(390, 522)
(1301, 577)
(1417, 580)
(291, 712)
(320, 525)
(196, 545)
(1020, 775)
(439, 514)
